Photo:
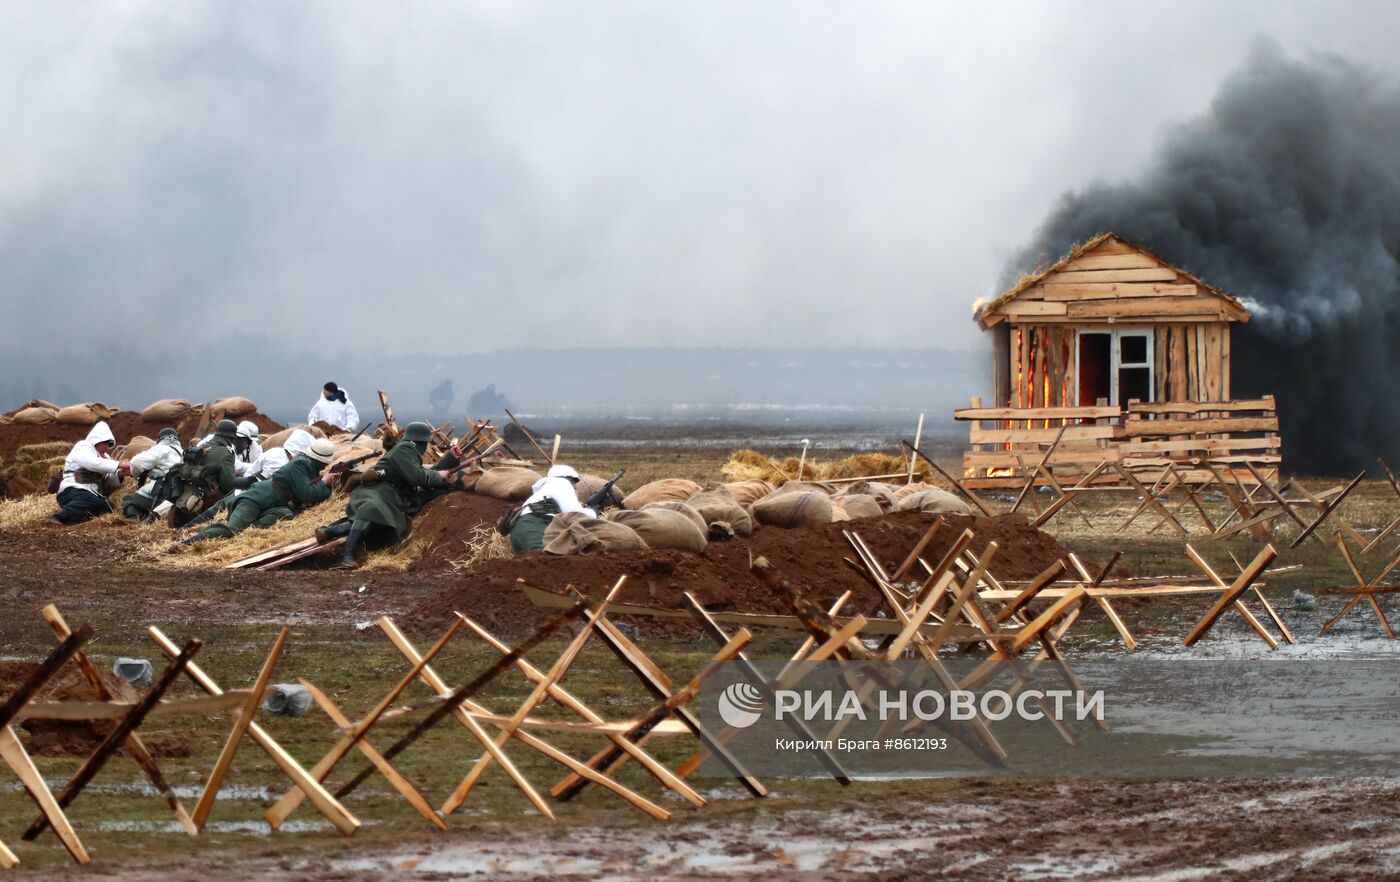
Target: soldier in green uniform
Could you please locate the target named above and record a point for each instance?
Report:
(208, 471)
(389, 493)
(295, 486)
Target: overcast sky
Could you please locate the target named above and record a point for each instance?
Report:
(511, 173)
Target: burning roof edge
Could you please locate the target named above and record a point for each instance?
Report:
(1029, 280)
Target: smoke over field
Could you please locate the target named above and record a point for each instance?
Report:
(1285, 193)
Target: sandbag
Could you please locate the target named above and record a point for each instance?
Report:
(6, 419)
(39, 402)
(35, 416)
(511, 483)
(787, 510)
(235, 407)
(803, 487)
(745, 493)
(838, 511)
(167, 410)
(935, 501)
(139, 444)
(277, 439)
(883, 494)
(903, 491)
(722, 513)
(590, 484)
(672, 505)
(663, 528)
(860, 505)
(574, 532)
(673, 489)
(84, 414)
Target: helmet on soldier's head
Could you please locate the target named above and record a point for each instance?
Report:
(226, 429)
(562, 471)
(247, 429)
(419, 432)
(321, 450)
(168, 434)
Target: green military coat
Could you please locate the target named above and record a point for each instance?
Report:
(296, 482)
(389, 501)
(217, 466)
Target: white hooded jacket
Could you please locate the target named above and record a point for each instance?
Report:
(342, 416)
(154, 463)
(562, 491)
(274, 458)
(84, 455)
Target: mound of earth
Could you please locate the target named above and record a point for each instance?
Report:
(125, 426)
(720, 578)
(445, 524)
(70, 738)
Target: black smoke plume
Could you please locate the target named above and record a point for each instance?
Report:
(1286, 194)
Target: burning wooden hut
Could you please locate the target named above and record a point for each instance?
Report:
(1130, 353)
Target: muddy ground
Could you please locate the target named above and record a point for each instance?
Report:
(958, 829)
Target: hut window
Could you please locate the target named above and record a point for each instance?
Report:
(1134, 369)
(1114, 367)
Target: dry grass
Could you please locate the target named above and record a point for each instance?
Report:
(484, 543)
(165, 549)
(46, 450)
(750, 465)
(27, 511)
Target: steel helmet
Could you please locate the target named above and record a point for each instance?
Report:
(562, 471)
(419, 432)
(226, 429)
(248, 429)
(321, 450)
(168, 434)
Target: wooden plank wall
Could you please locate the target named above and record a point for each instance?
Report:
(1039, 353)
(1192, 361)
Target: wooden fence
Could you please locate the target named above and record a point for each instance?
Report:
(1007, 443)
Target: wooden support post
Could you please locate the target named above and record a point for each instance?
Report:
(1331, 506)
(1129, 641)
(116, 738)
(1030, 481)
(450, 702)
(1230, 595)
(918, 439)
(1147, 495)
(241, 723)
(135, 747)
(529, 437)
(333, 811)
(289, 802)
(1240, 608)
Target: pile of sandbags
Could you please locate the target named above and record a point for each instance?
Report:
(662, 528)
(665, 490)
(576, 533)
(934, 500)
(166, 410)
(36, 416)
(511, 483)
(883, 494)
(86, 414)
(724, 517)
(235, 407)
(803, 508)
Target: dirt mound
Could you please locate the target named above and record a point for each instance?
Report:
(125, 425)
(446, 523)
(67, 738)
(720, 576)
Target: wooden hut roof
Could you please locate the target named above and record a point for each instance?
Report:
(1101, 285)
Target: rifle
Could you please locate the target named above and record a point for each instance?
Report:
(604, 497)
(362, 430)
(474, 458)
(346, 465)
